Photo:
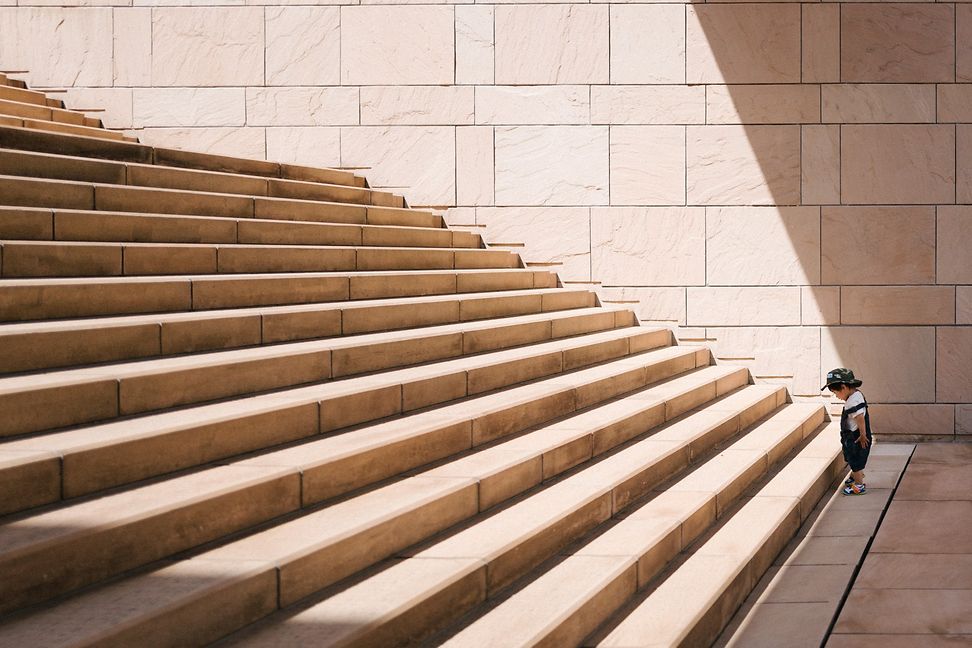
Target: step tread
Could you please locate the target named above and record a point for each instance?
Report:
(21, 328)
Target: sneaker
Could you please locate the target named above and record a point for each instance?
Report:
(855, 489)
(848, 481)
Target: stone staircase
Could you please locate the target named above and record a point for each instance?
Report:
(265, 404)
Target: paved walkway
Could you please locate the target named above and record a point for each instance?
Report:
(915, 586)
(795, 603)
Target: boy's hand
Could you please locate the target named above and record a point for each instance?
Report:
(862, 440)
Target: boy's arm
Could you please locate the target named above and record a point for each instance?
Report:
(861, 430)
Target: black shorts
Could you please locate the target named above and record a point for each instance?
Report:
(854, 454)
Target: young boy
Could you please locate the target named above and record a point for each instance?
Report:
(855, 427)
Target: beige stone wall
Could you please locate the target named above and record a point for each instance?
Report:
(791, 182)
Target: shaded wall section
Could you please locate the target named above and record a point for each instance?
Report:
(791, 182)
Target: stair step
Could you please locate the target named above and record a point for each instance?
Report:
(28, 543)
(34, 111)
(22, 223)
(13, 83)
(37, 299)
(50, 344)
(92, 147)
(32, 259)
(36, 402)
(80, 169)
(324, 546)
(22, 95)
(72, 129)
(111, 454)
(692, 605)
(502, 547)
(16, 191)
(607, 570)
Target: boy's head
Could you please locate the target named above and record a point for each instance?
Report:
(842, 383)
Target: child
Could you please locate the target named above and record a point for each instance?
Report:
(855, 427)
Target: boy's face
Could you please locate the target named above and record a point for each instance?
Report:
(840, 391)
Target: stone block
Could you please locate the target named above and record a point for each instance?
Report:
(963, 41)
(911, 419)
(963, 419)
(762, 104)
(549, 235)
(207, 46)
(58, 46)
(954, 377)
(419, 105)
(820, 165)
(647, 165)
(897, 305)
(749, 306)
(743, 43)
(652, 305)
(474, 44)
(877, 245)
(821, 43)
(897, 42)
(113, 105)
(241, 142)
(735, 165)
(963, 163)
(533, 105)
(963, 304)
(181, 107)
(876, 103)
(301, 106)
(303, 46)
(474, 165)
(400, 45)
(420, 159)
(132, 46)
(955, 102)
(820, 305)
(760, 246)
(897, 364)
(677, 104)
(552, 165)
(660, 246)
(897, 164)
(647, 43)
(772, 353)
(538, 44)
(319, 146)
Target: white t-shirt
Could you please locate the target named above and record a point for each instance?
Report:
(853, 401)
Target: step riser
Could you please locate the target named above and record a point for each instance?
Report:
(20, 303)
(39, 260)
(46, 350)
(58, 144)
(94, 400)
(27, 192)
(26, 224)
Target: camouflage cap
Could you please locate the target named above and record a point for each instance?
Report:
(841, 376)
